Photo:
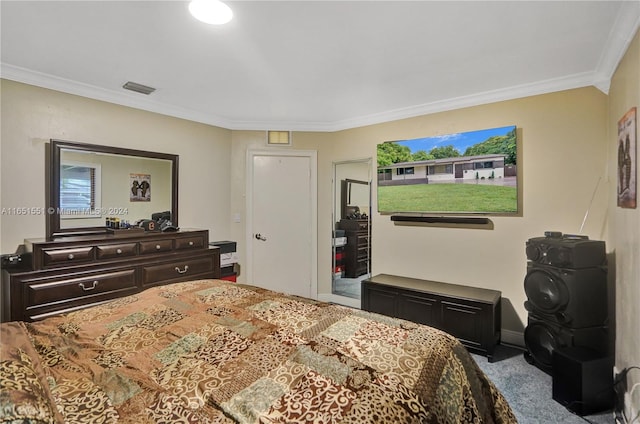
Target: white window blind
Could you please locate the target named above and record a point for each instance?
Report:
(79, 188)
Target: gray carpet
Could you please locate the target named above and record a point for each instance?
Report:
(528, 390)
(348, 287)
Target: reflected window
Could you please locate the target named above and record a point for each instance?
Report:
(406, 171)
(79, 189)
(441, 169)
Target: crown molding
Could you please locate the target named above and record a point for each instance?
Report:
(627, 24)
(487, 97)
(133, 100)
(621, 35)
(123, 98)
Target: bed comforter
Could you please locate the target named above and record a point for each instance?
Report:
(212, 351)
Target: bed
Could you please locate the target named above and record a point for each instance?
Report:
(212, 351)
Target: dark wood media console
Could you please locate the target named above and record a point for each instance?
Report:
(471, 314)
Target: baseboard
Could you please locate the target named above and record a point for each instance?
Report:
(340, 300)
(512, 338)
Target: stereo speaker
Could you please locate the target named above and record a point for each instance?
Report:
(582, 380)
(566, 251)
(543, 337)
(575, 298)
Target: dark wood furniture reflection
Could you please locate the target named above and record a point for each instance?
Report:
(357, 251)
(71, 273)
(471, 314)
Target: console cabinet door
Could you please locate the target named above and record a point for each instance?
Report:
(380, 300)
(466, 322)
(419, 308)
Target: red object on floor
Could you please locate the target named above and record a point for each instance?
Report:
(229, 278)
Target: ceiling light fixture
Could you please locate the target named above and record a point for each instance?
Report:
(212, 12)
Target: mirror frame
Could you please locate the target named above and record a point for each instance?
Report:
(53, 201)
(345, 194)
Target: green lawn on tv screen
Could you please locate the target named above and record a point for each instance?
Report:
(465, 198)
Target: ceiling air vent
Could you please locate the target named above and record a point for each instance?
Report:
(138, 88)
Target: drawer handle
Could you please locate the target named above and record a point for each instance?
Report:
(190, 243)
(158, 247)
(70, 256)
(95, 284)
(118, 251)
(182, 271)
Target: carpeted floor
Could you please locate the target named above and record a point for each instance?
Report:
(528, 391)
(349, 287)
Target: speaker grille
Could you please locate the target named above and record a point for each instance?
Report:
(541, 342)
(576, 298)
(546, 293)
(542, 338)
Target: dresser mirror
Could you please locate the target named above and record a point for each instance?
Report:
(351, 226)
(355, 199)
(90, 183)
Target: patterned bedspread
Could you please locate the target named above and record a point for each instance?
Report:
(212, 351)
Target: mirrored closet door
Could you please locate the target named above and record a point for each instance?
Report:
(351, 226)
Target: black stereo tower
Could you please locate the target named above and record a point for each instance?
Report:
(567, 328)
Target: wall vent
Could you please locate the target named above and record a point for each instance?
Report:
(280, 138)
(138, 88)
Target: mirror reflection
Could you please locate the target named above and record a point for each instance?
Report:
(89, 183)
(94, 186)
(352, 226)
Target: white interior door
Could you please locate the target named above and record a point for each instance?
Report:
(281, 224)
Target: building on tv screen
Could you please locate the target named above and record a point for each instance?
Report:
(467, 173)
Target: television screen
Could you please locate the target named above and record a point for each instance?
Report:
(457, 174)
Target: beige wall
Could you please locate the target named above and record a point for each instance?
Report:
(31, 116)
(242, 142)
(625, 224)
(562, 158)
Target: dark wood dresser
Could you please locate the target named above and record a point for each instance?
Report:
(357, 251)
(71, 273)
(471, 314)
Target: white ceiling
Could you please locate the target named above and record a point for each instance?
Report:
(315, 65)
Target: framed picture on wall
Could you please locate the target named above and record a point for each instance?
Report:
(139, 187)
(627, 160)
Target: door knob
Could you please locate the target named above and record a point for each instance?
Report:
(260, 237)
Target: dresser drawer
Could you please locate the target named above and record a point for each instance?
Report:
(354, 224)
(197, 242)
(362, 253)
(69, 256)
(123, 250)
(179, 269)
(55, 291)
(156, 246)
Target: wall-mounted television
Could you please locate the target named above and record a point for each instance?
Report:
(469, 173)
